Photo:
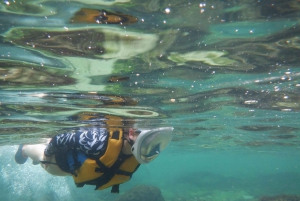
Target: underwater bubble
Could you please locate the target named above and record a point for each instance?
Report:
(167, 10)
(250, 102)
(201, 5)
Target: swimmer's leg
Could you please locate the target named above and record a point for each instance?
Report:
(36, 153)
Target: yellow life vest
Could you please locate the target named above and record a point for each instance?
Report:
(111, 169)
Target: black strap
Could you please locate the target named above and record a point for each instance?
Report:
(108, 173)
(80, 185)
(122, 172)
(115, 189)
(102, 167)
(114, 169)
(48, 162)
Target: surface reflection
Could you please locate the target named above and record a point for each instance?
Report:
(157, 61)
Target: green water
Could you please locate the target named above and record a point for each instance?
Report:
(224, 74)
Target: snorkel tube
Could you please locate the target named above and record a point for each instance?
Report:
(150, 143)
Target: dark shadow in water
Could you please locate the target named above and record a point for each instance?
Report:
(71, 43)
(271, 129)
(22, 74)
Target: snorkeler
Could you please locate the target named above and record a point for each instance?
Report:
(104, 157)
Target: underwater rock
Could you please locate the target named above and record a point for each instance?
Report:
(272, 129)
(185, 134)
(256, 144)
(266, 143)
(257, 128)
(283, 136)
(282, 197)
(142, 193)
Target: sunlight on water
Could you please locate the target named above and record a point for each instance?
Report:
(224, 74)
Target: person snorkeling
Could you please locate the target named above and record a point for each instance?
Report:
(104, 157)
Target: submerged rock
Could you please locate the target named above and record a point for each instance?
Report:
(142, 193)
(282, 197)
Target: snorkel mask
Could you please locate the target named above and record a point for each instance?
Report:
(150, 143)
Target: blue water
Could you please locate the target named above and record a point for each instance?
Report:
(224, 74)
(179, 173)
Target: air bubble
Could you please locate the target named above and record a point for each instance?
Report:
(167, 10)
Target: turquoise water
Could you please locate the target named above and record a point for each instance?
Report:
(224, 74)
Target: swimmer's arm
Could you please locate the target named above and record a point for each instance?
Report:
(65, 139)
(92, 141)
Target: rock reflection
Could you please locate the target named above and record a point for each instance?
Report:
(93, 42)
(93, 99)
(279, 8)
(203, 65)
(55, 112)
(240, 97)
(254, 55)
(26, 8)
(86, 15)
(21, 74)
(20, 130)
